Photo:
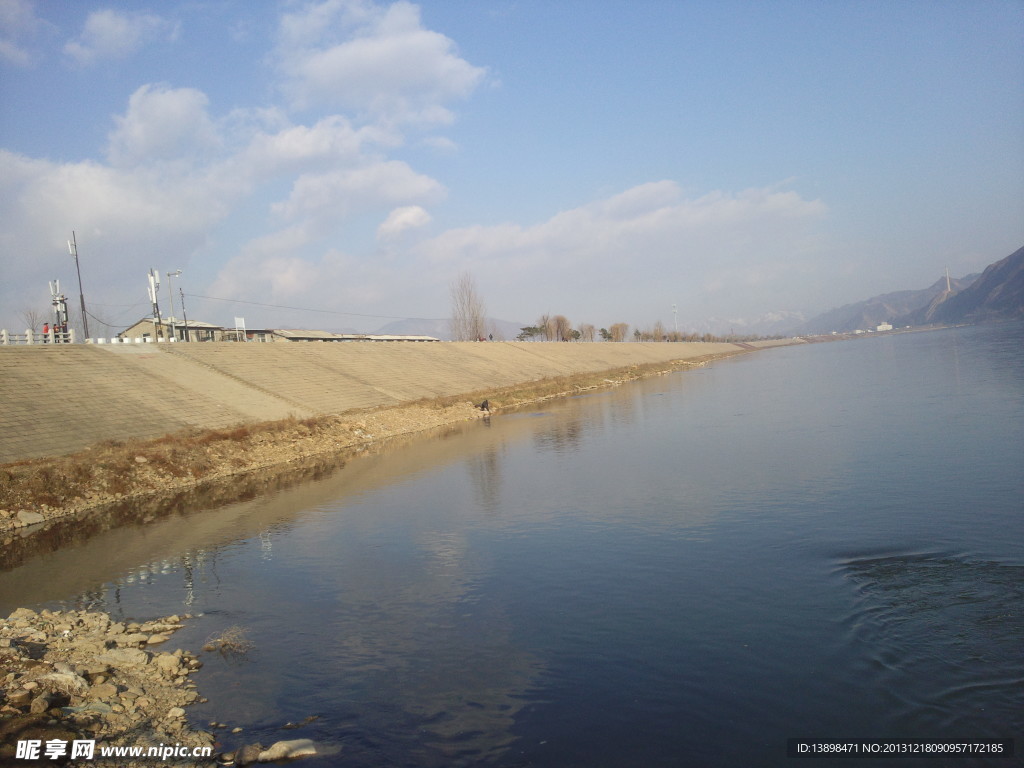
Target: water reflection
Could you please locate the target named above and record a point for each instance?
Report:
(485, 474)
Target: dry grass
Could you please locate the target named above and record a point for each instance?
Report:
(117, 467)
(233, 641)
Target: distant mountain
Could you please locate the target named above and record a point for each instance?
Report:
(417, 326)
(887, 307)
(997, 294)
(778, 323)
(440, 328)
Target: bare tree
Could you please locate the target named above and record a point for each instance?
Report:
(563, 328)
(32, 318)
(658, 332)
(586, 332)
(546, 323)
(618, 331)
(469, 317)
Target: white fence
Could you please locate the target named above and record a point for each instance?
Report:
(31, 337)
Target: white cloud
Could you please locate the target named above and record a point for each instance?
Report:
(626, 257)
(647, 241)
(327, 144)
(336, 194)
(18, 26)
(127, 221)
(401, 220)
(110, 34)
(163, 124)
(374, 61)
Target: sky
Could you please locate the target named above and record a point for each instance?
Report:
(338, 164)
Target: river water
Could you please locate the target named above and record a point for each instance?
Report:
(821, 541)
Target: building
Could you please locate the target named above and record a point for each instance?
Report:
(305, 335)
(884, 327)
(146, 328)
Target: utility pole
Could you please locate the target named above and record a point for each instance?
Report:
(73, 248)
(154, 293)
(170, 295)
(184, 314)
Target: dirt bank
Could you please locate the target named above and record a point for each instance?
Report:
(37, 491)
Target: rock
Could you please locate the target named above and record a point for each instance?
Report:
(93, 669)
(156, 639)
(42, 703)
(26, 517)
(65, 682)
(20, 698)
(289, 750)
(141, 460)
(99, 707)
(167, 662)
(103, 691)
(248, 754)
(175, 713)
(135, 638)
(124, 657)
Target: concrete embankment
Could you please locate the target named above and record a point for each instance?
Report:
(61, 399)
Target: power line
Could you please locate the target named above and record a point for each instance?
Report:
(306, 309)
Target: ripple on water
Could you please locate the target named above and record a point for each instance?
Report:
(941, 634)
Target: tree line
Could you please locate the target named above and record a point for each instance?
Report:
(469, 323)
(558, 328)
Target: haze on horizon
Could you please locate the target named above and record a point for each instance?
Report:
(600, 160)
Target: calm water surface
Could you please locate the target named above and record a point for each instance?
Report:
(821, 541)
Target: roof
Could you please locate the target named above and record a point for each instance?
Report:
(300, 334)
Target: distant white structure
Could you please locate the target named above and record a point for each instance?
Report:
(884, 327)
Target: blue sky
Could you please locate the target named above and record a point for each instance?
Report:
(602, 160)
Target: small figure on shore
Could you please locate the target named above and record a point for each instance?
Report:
(485, 406)
(46, 332)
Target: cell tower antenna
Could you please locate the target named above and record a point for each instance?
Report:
(675, 318)
(948, 289)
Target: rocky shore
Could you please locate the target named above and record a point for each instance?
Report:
(79, 676)
(77, 680)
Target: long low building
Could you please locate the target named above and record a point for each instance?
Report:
(165, 329)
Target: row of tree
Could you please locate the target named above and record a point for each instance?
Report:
(558, 328)
(469, 323)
